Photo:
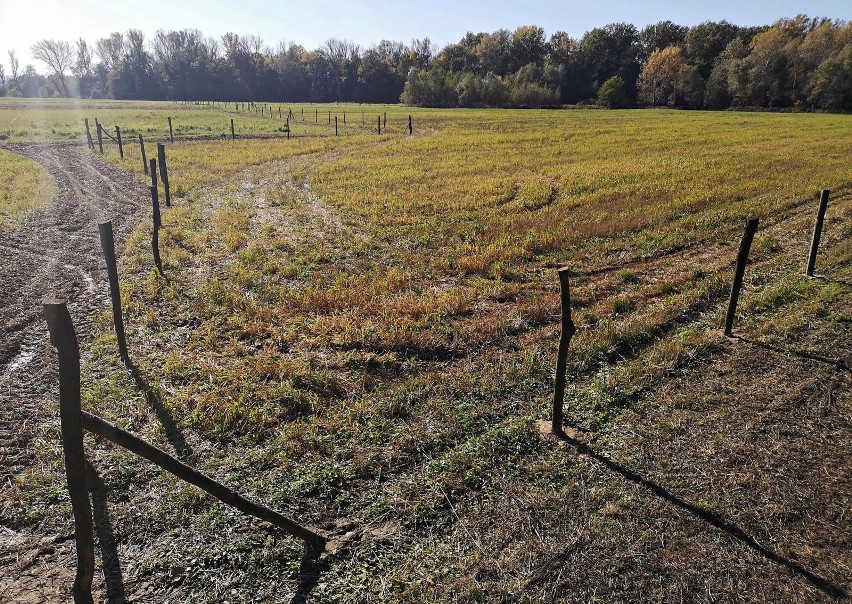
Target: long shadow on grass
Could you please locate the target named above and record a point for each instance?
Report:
(838, 363)
(173, 433)
(709, 517)
(106, 540)
(310, 570)
(829, 279)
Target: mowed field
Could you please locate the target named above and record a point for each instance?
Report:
(360, 331)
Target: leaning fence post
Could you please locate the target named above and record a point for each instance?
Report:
(89, 134)
(232, 129)
(568, 331)
(118, 139)
(100, 136)
(108, 247)
(144, 157)
(62, 336)
(171, 135)
(742, 258)
(164, 172)
(823, 204)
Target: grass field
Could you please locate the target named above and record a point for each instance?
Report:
(361, 330)
(24, 187)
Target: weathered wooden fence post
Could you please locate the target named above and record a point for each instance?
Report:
(100, 136)
(410, 129)
(62, 336)
(344, 118)
(171, 134)
(823, 204)
(329, 117)
(568, 331)
(742, 258)
(155, 215)
(108, 247)
(164, 172)
(316, 115)
(335, 125)
(232, 129)
(144, 157)
(385, 123)
(379, 125)
(89, 134)
(118, 140)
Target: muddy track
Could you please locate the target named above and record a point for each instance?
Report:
(54, 253)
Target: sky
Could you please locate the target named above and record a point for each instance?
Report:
(367, 22)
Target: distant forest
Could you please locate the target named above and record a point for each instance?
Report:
(801, 63)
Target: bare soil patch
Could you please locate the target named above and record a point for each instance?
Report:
(55, 252)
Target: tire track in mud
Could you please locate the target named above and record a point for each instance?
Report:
(55, 252)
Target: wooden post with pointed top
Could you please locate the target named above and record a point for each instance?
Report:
(568, 331)
(739, 273)
(108, 247)
(823, 205)
(63, 337)
(144, 157)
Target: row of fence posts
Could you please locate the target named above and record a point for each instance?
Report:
(568, 329)
(382, 123)
(74, 420)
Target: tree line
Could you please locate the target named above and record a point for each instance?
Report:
(796, 62)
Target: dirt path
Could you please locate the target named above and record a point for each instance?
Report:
(54, 253)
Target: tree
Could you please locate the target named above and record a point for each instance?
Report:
(659, 36)
(110, 50)
(58, 56)
(14, 65)
(832, 82)
(608, 51)
(659, 75)
(82, 68)
(527, 46)
(612, 94)
(705, 41)
(727, 79)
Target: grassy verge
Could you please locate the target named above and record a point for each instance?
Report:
(24, 186)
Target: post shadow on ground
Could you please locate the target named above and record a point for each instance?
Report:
(173, 433)
(709, 517)
(110, 561)
(803, 354)
(310, 571)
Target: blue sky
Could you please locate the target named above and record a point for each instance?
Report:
(310, 22)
